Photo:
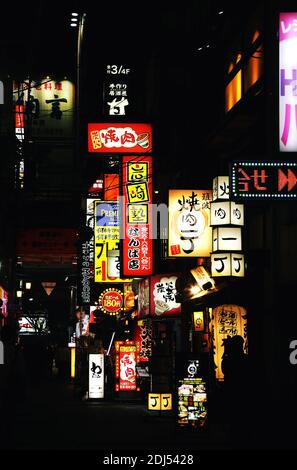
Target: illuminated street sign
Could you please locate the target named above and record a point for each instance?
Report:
(272, 180)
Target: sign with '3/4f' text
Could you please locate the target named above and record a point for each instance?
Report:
(262, 179)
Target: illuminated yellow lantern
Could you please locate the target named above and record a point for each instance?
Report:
(227, 320)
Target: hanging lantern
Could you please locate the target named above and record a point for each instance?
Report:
(227, 320)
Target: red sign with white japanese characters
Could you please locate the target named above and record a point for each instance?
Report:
(119, 138)
(137, 216)
(127, 357)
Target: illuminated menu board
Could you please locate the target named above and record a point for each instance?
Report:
(192, 402)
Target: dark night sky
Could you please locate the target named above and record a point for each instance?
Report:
(38, 39)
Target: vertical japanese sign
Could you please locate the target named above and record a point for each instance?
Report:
(163, 295)
(189, 223)
(287, 82)
(227, 320)
(127, 357)
(117, 90)
(137, 216)
(106, 242)
(96, 376)
(87, 254)
(50, 105)
(143, 333)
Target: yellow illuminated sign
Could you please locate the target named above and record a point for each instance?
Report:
(72, 371)
(227, 321)
(106, 242)
(137, 214)
(189, 228)
(160, 401)
(137, 171)
(137, 192)
(198, 321)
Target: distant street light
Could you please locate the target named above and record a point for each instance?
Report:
(78, 20)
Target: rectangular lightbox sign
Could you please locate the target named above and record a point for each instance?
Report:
(262, 179)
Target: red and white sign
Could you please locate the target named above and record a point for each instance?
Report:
(127, 357)
(119, 138)
(162, 295)
(137, 216)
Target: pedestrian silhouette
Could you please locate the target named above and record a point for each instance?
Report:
(236, 383)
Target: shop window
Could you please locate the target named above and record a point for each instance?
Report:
(247, 75)
(254, 68)
(233, 91)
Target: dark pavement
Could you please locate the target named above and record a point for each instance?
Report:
(52, 424)
(52, 416)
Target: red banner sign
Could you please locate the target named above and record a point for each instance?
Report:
(119, 138)
(127, 357)
(137, 216)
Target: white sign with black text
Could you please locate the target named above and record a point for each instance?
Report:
(96, 375)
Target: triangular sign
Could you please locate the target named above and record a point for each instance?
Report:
(48, 287)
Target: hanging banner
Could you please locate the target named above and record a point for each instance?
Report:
(96, 375)
(120, 138)
(137, 216)
(227, 320)
(189, 223)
